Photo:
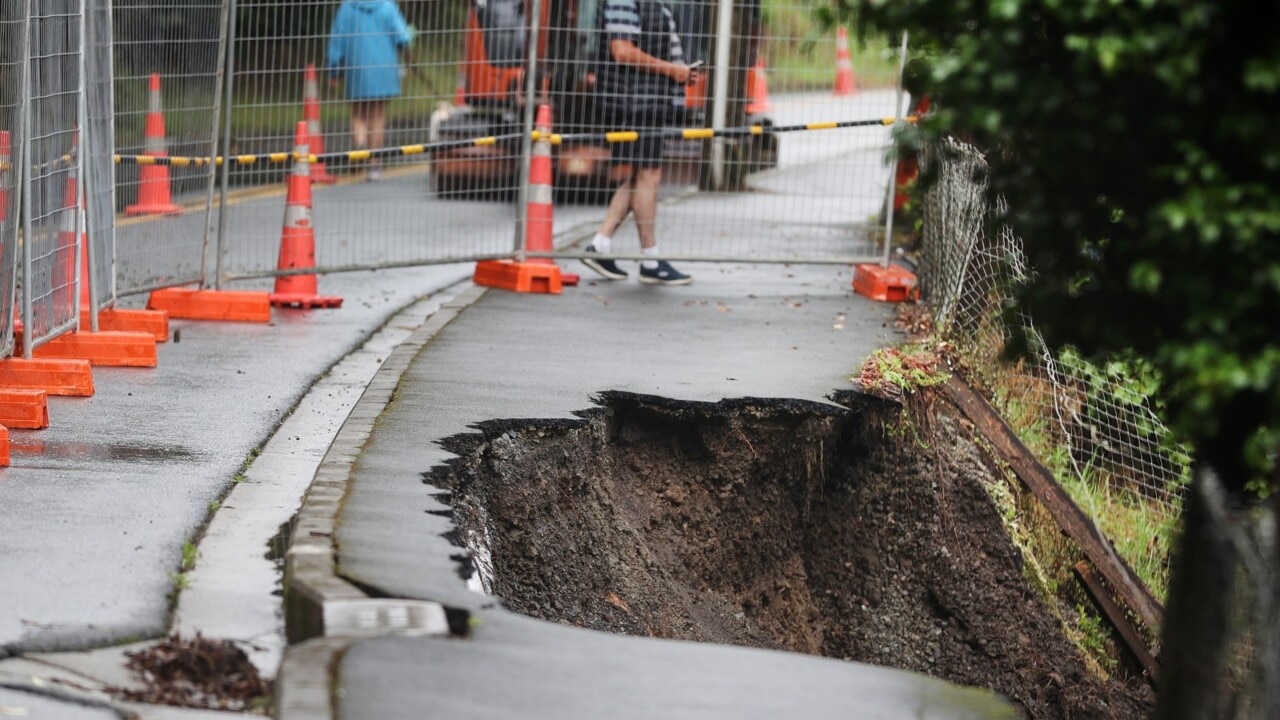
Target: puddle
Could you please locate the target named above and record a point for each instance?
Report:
(277, 547)
(31, 443)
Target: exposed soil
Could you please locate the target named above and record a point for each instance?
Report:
(794, 526)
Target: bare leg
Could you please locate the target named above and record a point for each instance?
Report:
(619, 206)
(377, 113)
(645, 204)
(360, 124)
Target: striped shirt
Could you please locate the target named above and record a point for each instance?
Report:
(622, 21)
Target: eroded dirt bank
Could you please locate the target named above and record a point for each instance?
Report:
(779, 525)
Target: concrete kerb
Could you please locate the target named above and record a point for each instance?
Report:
(317, 601)
(305, 684)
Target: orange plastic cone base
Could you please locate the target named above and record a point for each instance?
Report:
(4, 446)
(320, 174)
(526, 277)
(299, 291)
(153, 193)
(566, 278)
(107, 349)
(71, 378)
(224, 305)
(27, 409)
(153, 322)
(884, 284)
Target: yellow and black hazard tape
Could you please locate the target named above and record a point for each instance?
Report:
(617, 136)
(286, 157)
(621, 136)
(54, 164)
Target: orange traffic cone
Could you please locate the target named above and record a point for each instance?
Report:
(758, 89)
(845, 82)
(6, 167)
(67, 246)
(311, 113)
(533, 275)
(153, 191)
(540, 219)
(298, 237)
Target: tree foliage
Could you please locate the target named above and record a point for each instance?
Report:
(1134, 141)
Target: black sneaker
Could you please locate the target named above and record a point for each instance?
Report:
(664, 274)
(607, 268)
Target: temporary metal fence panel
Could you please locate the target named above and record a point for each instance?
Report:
(99, 171)
(387, 76)
(1101, 439)
(52, 217)
(14, 24)
(166, 103)
(776, 149)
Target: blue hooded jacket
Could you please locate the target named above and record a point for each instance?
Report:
(363, 45)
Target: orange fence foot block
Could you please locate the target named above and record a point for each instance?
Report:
(4, 446)
(519, 277)
(72, 378)
(23, 409)
(153, 322)
(108, 349)
(228, 305)
(886, 284)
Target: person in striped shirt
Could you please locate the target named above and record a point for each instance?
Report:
(639, 85)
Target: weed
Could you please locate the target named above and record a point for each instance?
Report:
(214, 505)
(898, 371)
(188, 556)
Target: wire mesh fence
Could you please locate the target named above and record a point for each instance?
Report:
(410, 76)
(166, 62)
(99, 170)
(1090, 425)
(364, 75)
(51, 208)
(14, 25)
(767, 77)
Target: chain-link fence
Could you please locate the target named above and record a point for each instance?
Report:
(51, 201)
(1092, 426)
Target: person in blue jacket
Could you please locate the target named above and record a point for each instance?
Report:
(364, 46)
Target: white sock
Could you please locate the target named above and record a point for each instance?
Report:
(601, 243)
(649, 264)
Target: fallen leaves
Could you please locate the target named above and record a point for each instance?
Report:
(198, 673)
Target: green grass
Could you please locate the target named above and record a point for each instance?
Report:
(801, 55)
(1142, 532)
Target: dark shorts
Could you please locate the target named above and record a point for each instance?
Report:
(644, 153)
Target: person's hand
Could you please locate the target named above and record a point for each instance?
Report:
(694, 75)
(683, 74)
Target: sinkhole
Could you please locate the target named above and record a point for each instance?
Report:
(843, 530)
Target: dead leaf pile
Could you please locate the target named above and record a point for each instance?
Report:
(198, 673)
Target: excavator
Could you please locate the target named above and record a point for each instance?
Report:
(492, 95)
